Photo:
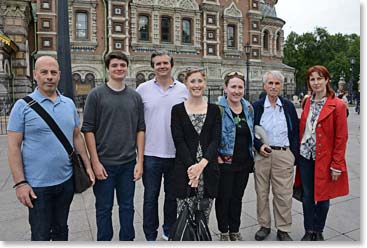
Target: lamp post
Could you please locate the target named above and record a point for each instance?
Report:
(63, 49)
(247, 52)
(352, 62)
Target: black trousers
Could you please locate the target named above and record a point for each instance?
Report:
(228, 204)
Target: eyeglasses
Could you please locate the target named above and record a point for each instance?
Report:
(234, 73)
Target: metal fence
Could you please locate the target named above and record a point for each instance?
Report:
(80, 102)
(6, 108)
(212, 94)
(4, 117)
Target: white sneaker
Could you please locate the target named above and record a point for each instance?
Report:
(164, 237)
(224, 237)
(235, 236)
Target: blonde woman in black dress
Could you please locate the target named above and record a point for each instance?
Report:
(196, 131)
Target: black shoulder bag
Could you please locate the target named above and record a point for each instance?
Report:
(80, 176)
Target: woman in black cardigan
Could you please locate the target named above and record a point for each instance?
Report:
(196, 131)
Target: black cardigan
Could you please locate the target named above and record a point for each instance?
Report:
(186, 141)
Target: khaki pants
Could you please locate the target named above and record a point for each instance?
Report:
(276, 170)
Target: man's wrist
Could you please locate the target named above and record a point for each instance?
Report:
(20, 183)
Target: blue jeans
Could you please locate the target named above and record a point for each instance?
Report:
(121, 178)
(154, 169)
(49, 216)
(314, 214)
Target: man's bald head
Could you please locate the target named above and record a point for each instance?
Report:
(47, 75)
(46, 59)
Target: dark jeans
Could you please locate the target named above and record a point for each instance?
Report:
(49, 216)
(154, 169)
(121, 178)
(228, 204)
(314, 214)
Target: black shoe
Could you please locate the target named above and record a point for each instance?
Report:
(309, 236)
(283, 236)
(319, 236)
(262, 233)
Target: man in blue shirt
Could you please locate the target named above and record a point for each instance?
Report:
(278, 117)
(40, 165)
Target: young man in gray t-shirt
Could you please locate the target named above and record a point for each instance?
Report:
(114, 129)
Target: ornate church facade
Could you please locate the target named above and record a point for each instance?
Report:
(206, 33)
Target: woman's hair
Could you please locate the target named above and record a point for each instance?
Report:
(234, 74)
(191, 70)
(323, 72)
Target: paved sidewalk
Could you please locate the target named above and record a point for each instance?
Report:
(343, 222)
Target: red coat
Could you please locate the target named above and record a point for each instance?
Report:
(331, 143)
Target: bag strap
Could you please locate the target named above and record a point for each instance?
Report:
(51, 123)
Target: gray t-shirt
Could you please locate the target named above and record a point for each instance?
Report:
(114, 117)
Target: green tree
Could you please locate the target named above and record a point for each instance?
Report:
(322, 48)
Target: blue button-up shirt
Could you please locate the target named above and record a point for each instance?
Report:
(275, 124)
(45, 160)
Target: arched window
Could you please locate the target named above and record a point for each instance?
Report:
(186, 30)
(151, 76)
(166, 29)
(266, 40)
(144, 27)
(278, 45)
(89, 79)
(231, 39)
(81, 25)
(140, 78)
(77, 79)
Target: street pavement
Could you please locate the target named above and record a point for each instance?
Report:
(343, 222)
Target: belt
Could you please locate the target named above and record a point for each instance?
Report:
(279, 148)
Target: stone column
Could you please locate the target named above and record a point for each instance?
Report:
(17, 17)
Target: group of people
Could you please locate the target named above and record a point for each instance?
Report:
(167, 130)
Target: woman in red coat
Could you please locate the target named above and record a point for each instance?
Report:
(324, 136)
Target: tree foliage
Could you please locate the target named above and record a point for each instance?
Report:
(321, 48)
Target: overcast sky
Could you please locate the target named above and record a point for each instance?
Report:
(337, 16)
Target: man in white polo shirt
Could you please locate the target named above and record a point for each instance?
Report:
(159, 95)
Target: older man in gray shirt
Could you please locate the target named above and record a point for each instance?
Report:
(114, 129)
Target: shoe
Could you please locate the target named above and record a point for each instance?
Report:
(164, 237)
(309, 236)
(224, 237)
(319, 236)
(283, 236)
(235, 236)
(262, 233)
